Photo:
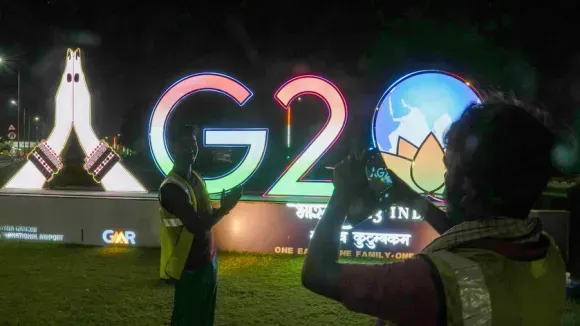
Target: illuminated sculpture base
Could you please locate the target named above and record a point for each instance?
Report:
(29, 177)
(123, 219)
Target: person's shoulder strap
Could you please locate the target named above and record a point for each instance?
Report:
(198, 178)
(172, 179)
(200, 190)
(551, 239)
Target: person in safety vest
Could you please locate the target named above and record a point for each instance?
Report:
(188, 254)
(494, 266)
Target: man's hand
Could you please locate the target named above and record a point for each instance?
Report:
(321, 270)
(351, 186)
(230, 200)
(349, 174)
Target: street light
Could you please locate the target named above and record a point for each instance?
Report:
(36, 119)
(17, 102)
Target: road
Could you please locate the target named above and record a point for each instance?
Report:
(5, 161)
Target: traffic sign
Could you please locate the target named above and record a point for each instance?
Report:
(11, 135)
(11, 128)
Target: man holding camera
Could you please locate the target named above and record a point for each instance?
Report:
(188, 255)
(493, 264)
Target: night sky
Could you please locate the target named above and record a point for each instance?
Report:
(133, 53)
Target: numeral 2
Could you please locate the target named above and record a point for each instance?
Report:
(290, 183)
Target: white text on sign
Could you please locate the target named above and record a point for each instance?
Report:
(315, 211)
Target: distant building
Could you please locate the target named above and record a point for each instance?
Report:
(23, 144)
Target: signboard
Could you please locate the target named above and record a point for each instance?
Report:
(267, 227)
(11, 135)
(287, 228)
(11, 128)
(27, 233)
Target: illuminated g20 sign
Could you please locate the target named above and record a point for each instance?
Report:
(291, 182)
(408, 125)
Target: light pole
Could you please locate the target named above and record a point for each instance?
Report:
(13, 102)
(24, 133)
(18, 106)
(36, 119)
(28, 137)
(17, 102)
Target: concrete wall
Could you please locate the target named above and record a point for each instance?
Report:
(83, 219)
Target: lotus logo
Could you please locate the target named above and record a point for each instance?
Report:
(420, 167)
(410, 122)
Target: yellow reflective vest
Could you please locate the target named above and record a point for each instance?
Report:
(176, 240)
(485, 288)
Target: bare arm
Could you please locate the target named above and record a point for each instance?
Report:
(406, 292)
(218, 214)
(321, 270)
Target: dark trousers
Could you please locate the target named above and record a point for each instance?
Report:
(195, 297)
(574, 234)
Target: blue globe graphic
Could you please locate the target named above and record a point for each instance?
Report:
(417, 104)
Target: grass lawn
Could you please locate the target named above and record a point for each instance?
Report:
(63, 285)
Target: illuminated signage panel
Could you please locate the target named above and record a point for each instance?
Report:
(315, 211)
(287, 228)
(27, 233)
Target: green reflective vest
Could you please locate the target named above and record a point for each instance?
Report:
(176, 240)
(485, 288)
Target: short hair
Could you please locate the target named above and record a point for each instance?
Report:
(502, 151)
(182, 144)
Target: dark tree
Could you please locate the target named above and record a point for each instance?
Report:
(416, 43)
(133, 127)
